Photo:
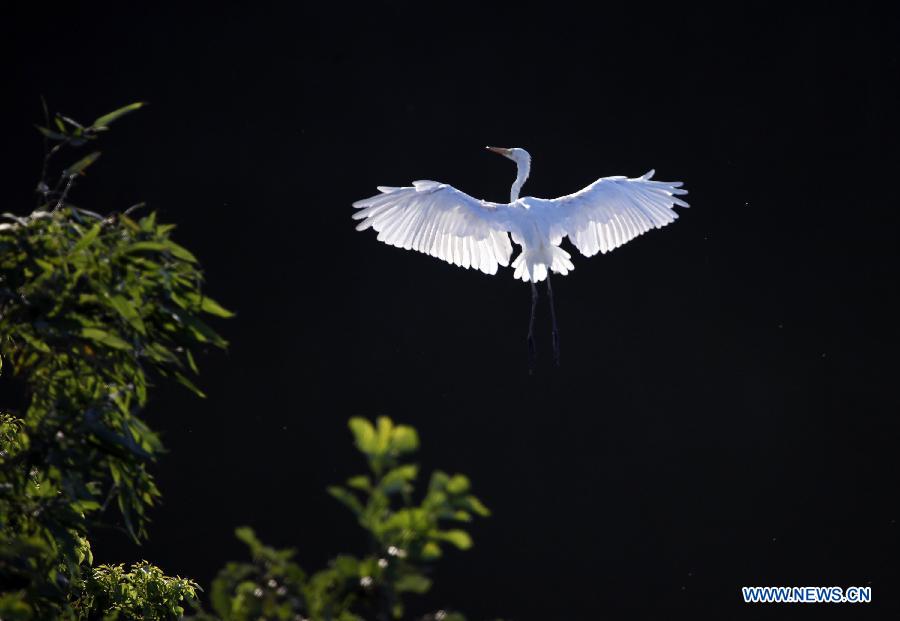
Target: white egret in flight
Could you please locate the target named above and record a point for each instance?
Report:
(439, 220)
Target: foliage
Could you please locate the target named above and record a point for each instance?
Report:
(141, 593)
(405, 537)
(92, 309)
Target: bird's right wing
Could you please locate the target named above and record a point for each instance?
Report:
(439, 220)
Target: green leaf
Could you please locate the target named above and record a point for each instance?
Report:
(105, 338)
(212, 307)
(146, 246)
(180, 251)
(458, 484)
(125, 440)
(37, 344)
(128, 312)
(209, 305)
(166, 246)
(49, 133)
(347, 498)
(86, 239)
(396, 479)
(412, 583)
(476, 505)
(108, 118)
(86, 506)
(459, 538)
(191, 362)
(364, 434)
(360, 482)
(45, 265)
(131, 224)
(202, 332)
(385, 426)
(404, 439)
(248, 537)
(160, 353)
(81, 164)
(246, 534)
(438, 480)
(14, 605)
(189, 385)
(148, 224)
(431, 551)
(346, 565)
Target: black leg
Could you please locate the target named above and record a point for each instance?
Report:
(553, 320)
(532, 348)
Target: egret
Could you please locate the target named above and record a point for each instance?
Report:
(441, 221)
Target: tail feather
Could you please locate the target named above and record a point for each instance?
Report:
(532, 263)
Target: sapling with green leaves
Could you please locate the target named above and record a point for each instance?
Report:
(407, 534)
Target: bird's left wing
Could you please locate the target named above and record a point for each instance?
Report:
(610, 211)
(439, 220)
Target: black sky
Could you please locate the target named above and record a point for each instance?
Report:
(726, 410)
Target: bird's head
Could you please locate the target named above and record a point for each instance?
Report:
(523, 167)
(519, 156)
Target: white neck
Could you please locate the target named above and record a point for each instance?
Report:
(523, 166)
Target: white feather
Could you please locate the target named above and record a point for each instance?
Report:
(439, 220)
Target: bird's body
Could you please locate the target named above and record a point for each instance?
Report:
(439, 220)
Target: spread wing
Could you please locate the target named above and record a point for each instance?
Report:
(610, 211)
(439, 220)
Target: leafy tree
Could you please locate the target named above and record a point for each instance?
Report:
(405, 537)
(92, 310)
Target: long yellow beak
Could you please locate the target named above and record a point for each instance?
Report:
(499, 150)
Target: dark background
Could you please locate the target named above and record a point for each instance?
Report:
(726, 410)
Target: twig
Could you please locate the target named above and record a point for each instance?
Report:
(65, 192)
(133, 208)
(113, 491)
(43, 188)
